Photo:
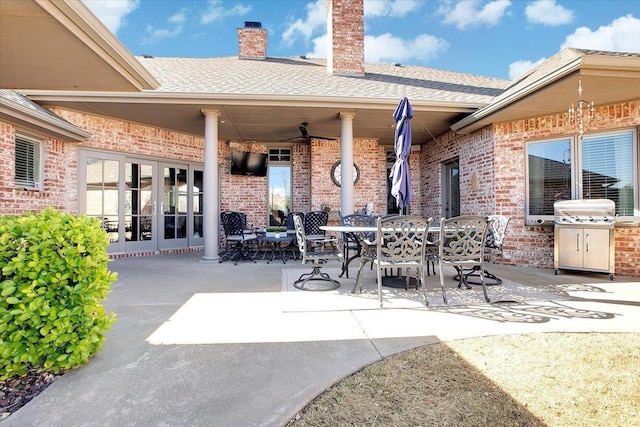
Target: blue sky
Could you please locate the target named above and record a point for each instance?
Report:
(497, 38)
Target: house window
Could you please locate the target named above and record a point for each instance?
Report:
(279, 186)
(600, 166)
(27, 163)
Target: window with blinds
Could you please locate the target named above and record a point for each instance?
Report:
(602, 166)
(607, 170)
(27, 163)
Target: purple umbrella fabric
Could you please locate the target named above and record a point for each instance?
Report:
(400, 176)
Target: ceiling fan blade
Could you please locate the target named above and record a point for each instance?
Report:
(291, 139)
(321, 137)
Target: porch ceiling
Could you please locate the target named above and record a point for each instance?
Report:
(271, 121)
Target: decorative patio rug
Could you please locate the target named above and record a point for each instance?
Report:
(295, 300)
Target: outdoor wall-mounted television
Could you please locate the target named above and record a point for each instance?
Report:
(246, 163)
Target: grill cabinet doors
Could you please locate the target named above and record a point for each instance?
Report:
(583, 248)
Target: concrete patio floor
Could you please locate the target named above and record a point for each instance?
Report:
(208, 344)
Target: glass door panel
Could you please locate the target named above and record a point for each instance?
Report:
(451, 193)
(101, 195)
(279, 194)
(174, 207)
(197, 194)
(140, 205)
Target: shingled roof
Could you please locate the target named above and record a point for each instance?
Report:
(309, 77)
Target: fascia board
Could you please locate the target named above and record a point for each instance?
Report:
(79, 20)
(16, 113)
(463, 125)
(53, 96)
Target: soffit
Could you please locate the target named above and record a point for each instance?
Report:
(607, 78)
(62, 45)
(270, 121)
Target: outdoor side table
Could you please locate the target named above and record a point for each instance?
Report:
(276, 244)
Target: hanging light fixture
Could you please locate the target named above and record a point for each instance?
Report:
(582, 112)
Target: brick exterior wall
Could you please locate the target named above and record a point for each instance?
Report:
(59, 176)
(253, 43)
(242, 193)
(369, 156)
(346, 35)
(496, 155)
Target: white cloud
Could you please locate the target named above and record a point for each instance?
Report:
(548, 12)
(217, 12)
(315, 22)
(471, 13)
(518, 68)
(622, 35)
(320, 46)
(387, 48)
(176, 25)
(112, 13)
(393, 8)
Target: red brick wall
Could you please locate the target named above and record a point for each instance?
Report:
(242, 193)
(253, 43)
(301, 178)
(496, 155)
(371, 187)
(59, 176)
(347, 38)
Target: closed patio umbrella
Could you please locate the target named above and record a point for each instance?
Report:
(400, 176)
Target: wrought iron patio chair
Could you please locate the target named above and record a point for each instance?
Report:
(318, 256)
(399, 243)
(312, 223)
(352, 242)
(291, 229)
(493, 247)
(461, 245)
(237, 236)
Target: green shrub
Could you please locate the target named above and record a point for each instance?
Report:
(53, 277)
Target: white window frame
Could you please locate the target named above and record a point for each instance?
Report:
(35, 164)
(576, 173)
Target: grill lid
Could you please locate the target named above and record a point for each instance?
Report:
(592, 211)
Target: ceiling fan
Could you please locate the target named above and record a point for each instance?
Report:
(305, 135)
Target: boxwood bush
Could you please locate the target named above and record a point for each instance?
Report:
(53, 279)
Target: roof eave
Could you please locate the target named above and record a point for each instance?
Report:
(80, 20)
(21, 116)
(479, 118)
(51, 96)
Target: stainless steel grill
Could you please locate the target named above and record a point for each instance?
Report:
(591, 213)
(584, 235)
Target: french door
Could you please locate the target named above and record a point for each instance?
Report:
(451, 189)
(143, 204)
(180, 206)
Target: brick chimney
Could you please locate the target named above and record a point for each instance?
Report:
(345, 33)
(253, 41)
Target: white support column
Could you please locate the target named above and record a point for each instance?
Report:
(346, 163)
(210, 198)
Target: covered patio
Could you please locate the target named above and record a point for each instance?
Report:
(211, 344)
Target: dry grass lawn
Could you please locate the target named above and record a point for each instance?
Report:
(556, 379)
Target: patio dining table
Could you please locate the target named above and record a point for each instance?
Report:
(356, 231)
